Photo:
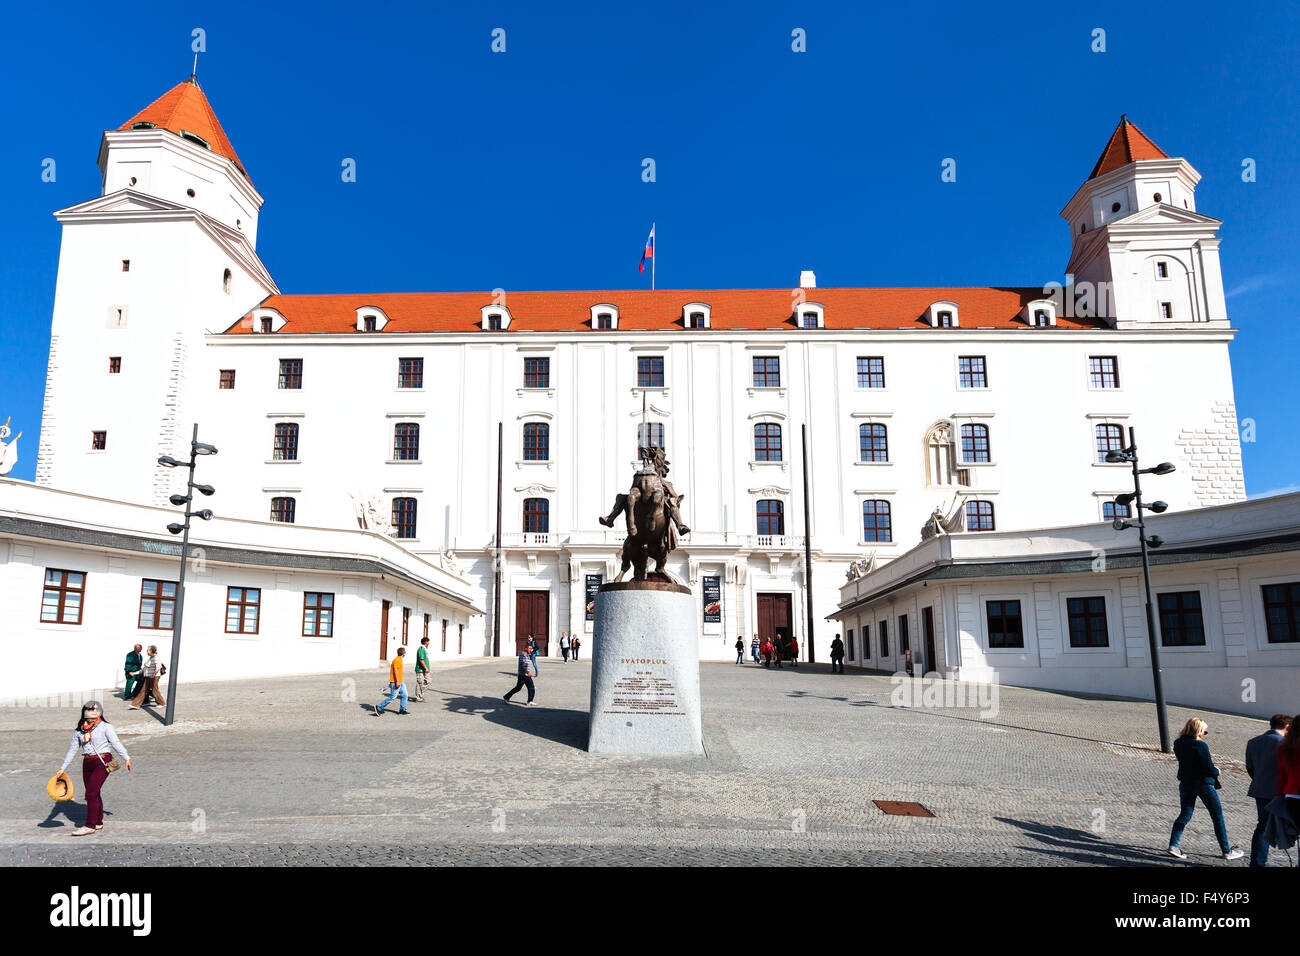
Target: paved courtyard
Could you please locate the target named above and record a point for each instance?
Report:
(297, 771)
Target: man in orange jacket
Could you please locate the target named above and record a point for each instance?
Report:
(395, 686)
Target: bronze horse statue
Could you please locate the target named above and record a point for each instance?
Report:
(652, 511)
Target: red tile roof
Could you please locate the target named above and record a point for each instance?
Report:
(640, 309)
(185, 108)
(1127, 143)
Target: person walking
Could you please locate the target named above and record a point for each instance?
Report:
(524, 680)
(740, 650)
(152, 671)
(755, 648)
(134, 661)
(768, 651)
(794, 652)
(97, 740)
(396, 689)
(1262, 765)
(575, 642)
(1288, 770)
(564, 645)
(1198, 777)
(837, 655)
(422, 669)
(778, 649)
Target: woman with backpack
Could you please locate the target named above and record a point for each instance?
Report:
(97, 740)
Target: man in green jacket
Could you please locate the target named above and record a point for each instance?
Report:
(422, 668)
(133, 664)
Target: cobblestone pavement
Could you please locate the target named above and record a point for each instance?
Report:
(292, 771)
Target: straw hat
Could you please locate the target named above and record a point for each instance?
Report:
(60, 787)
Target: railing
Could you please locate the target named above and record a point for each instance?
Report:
(613, 537)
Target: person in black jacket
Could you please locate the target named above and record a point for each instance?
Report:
(1198, 777)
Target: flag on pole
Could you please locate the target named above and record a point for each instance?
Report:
(649, 249)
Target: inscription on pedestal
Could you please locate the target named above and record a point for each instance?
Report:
(644, 691)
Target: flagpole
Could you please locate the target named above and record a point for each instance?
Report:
(654, 255)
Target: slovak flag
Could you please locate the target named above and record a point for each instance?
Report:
(649, 249)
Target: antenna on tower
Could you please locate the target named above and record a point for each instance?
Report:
(194, 73)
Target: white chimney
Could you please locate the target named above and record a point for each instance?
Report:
(807, 279)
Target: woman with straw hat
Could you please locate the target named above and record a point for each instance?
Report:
(97, 740)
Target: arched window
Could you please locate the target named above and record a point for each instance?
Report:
(767, 442)
(537, 516)
(979, 516)
(876, 522)
(650, 435)
(283, 509)
(1109, 438)
(286, 442)
(873, 443)
(975, 443)
(771, 517)
(404, 517)
(406, 442)
(537, 441)
(225, 282)
(941, 458)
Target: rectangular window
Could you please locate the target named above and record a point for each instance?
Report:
(318, 614)
(115, 365)
(98, 441)
(866, 642)
(226, 378)
(444, 633)
(975, 443)
(157, 604)
(979, 516)
(1162, 269)
(1087, 621)
(537, 516)
(1282, 612)
(650, 371)
(286, 442)
(1110, 510)
(873, 443)
(1005, 629)
(767, 371)
(404, 517)
(871, 371)
(1166, 310)
(537, 372)
(884, 638)
(1180, 619)
(290, 373)
(876, 522)
(126, 265)
(650, 435)
(1103, 371)
(61, 601)
(1109, 438)
(410, 373)
(284, 509)
(406, 442)
(971, 372)
(767, 443)
(369, 323)
(945, 320)
(537, 441)
(242, 607)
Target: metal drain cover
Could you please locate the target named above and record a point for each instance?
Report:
(901, 808)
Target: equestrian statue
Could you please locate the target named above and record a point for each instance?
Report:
(652, 509)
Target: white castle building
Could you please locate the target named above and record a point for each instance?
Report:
(993, 405)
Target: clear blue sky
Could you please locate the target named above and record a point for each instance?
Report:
(523, 169)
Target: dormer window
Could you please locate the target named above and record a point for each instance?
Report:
(943, 315)
(494, 322)
(1040, 319)
(697, 315)
(266, 320)
(266, 323)
(811, 315)
(371, 319)
(494, 318)
(197, 140)
(142, 125)
(944, 320)
(369, 323)
(1040, 314)
(695, 321)
(604, 316)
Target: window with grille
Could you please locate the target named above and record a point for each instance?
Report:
(1282, 612)
(771, 517)
(945, 320)
(98, 441)
(404, 517)
(317, 614)
(873, 443)
(1109, 438)
(115, 365)
(537, 372)
(369, 323)
(696, 321)
(494, 322)
(971, 372)
(1103, 371)
(537, 441)
(267, 324)
(1005, 628)
(226, 378)
(290, 373)
(1040, 319)
(1087, 617)
(406, 442)
(871, 371)
(284, 509)
(1110, 510)
(767, 371)
(410, 373)
(1181, 624)
(809, 320)
(286, 442)
(876, 523)
(767, 442)
(979, 516)
(537, 515)
(61, 600)
(650, 371)
(243, 607)
(157, 605)
(605, 320)
(650, 435)
(975, 443)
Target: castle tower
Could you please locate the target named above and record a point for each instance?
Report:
(1142, 255)
(163, 255)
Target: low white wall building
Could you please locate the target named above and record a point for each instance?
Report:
(83, 579)
(1064, 608)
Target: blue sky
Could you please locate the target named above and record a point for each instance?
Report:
(523, 169)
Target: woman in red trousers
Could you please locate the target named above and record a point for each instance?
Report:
(97, 740)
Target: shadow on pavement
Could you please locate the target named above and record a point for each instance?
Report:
(1083, 846)
(567, 727)
(71, 810)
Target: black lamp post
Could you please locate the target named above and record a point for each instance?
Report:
(197, 448)
(1130, 455)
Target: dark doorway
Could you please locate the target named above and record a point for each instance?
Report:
(905, 645)
(927, 629)
(383, 631)
(773, 616)
(532, 616)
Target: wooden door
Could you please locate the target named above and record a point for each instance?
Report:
(383, 631)
(927, 628)
(532, 616)
(773, 616)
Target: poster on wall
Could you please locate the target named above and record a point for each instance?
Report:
(712, 599)
(593, 582)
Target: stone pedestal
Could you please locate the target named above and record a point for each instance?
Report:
(645, 671)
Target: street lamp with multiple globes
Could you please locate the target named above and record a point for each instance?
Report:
(1134, 497)
(197, 448)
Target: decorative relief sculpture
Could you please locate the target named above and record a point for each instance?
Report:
(370, 513)
(953, 523)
